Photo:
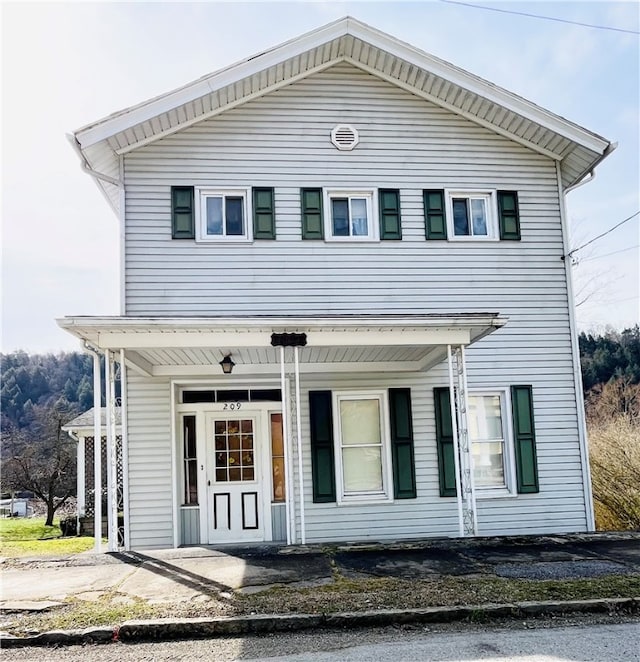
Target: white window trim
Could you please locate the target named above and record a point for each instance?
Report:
(386, 495)
(201, 235)
(509, 455)
(490, 196)
(372, 213)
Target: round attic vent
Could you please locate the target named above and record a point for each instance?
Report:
(344, 137)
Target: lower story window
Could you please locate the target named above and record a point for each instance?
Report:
(490, 443)
(279, 493)
(361, 446)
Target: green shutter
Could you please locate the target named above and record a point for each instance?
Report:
(322, 460)
(312, 221)
(404, 474)
(434, 214)
(182, 214)
(525, 439)
(389, 210)
(509, 215)
(444, 441)
(264, 216)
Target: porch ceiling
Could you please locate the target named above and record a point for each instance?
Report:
(195, 346)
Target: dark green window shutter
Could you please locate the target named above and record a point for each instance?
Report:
(322, 460)
(525, 439)
(444, 441)
(404, 473)
(509, 215)
(435, 218)
(312, 221)
(264, 215)
(182, 214)
(389, 210)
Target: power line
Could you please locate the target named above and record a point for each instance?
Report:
(597, 257)
(545, 18)
(575, 250)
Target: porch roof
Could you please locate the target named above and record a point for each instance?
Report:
(182, 346)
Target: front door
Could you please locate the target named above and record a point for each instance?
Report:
(235, 449)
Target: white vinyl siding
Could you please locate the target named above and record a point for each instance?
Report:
(283, 140)
(150, 472)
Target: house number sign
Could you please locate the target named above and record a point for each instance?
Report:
(231, 406)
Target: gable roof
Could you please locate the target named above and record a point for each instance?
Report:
(101, 143)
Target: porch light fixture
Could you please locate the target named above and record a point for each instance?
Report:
(227, 364)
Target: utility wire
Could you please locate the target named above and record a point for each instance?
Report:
(546, 18)
(597, 257)
(575, 250)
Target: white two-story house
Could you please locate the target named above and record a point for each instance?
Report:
(320, 245)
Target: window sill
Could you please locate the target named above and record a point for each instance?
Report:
(364, 500)
(495, 494)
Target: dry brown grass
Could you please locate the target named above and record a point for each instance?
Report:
(613, 419)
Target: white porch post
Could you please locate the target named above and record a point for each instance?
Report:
(112, 457)
(463, 457)
(80, 479)
(303, 535)
(124, 448)
(97, 449)
(290, 514)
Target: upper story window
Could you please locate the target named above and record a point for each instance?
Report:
(222, 215)
(471, 215)
(350, 215)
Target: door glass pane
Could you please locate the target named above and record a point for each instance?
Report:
(479, 216)
(214, 215)
(360, 420)
(340, 217)
(362, 469)
(234, 452)
(460, 217)
(488, 464)
(235, 224)
(359, 226)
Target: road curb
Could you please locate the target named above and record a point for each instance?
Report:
(191, 628)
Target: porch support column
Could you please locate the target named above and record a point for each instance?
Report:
(97, 448)
(124, 448)
(303, 535)
(463, 458)
(112, 457)
(287, 447)
(291, 408)
(80, 479)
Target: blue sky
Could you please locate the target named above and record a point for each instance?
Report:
(65, 65)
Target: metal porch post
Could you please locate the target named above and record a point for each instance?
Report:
(463, 457)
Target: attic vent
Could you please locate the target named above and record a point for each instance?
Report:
(344, 137)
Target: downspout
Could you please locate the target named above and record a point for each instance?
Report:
(97, 446)
(575, 355)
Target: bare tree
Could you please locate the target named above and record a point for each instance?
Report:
(42, 458)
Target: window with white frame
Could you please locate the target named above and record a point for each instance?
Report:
(223, 215)
(349, 215)
(362, 446)
(491, 442)
(471, 215)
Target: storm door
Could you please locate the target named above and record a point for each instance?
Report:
(235, 478)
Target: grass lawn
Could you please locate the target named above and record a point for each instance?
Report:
(28, 536)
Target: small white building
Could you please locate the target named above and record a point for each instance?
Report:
(320, 245)
(15, 507)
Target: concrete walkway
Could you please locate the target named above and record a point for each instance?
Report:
(198, 573)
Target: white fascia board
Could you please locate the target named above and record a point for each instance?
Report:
(129, 117)
(480, 86)
(134, 115)
(388, 338)
(279, 324)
